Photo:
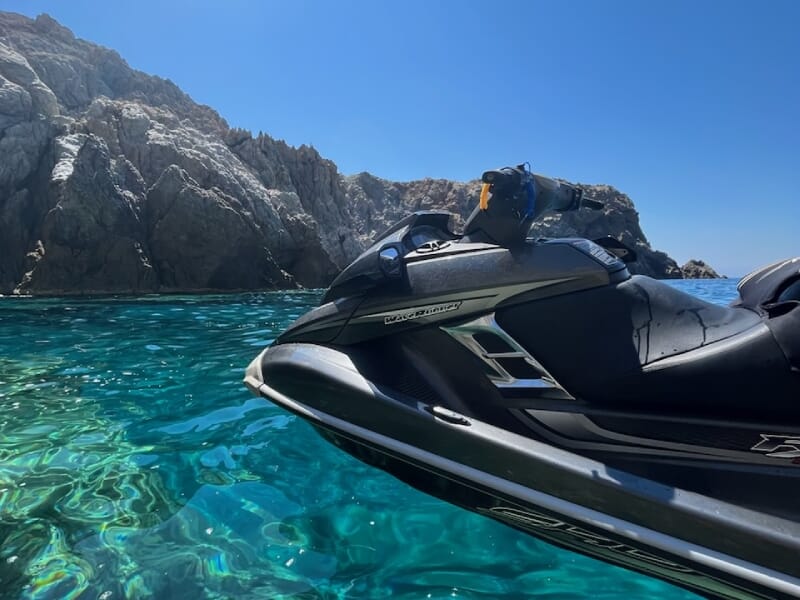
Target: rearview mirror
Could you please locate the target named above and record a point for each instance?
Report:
(614, 246)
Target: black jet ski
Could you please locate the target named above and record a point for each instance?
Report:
(539, 383)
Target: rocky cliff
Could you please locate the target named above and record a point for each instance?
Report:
(112, 180)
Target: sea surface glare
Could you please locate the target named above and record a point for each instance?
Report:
(135, 464)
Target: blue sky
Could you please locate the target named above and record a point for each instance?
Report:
(692, 108)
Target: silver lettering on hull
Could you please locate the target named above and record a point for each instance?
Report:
(778, 446)
(401, 316)
(540, 523)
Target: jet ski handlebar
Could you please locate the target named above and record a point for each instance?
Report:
(592, 204)
(543, 193)
(512, 198)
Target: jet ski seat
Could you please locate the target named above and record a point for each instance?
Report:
(644, 345)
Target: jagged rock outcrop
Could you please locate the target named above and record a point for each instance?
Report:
(112, 180)
(697, 269)
(90, 239)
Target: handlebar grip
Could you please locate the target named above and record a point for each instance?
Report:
(505, 178)
(593, 204)
(492, 176)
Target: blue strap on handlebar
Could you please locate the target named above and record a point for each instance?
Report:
(530, 188)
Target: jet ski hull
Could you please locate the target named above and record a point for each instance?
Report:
(541, 384)
(708, 546)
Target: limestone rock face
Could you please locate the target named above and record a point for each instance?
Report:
(189, 230)
(697, 269)
(376, 204)
(115, 181)
(90, 240)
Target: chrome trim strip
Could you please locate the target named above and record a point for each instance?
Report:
(526, 383)
(578, 431)
(465, 334)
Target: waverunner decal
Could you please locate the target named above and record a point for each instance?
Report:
(778, 446)
(401, 316)
(549, 526)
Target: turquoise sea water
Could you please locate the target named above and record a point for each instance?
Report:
(134, 464)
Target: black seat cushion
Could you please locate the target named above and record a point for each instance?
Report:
(606, 345)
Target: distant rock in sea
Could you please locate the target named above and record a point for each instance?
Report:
(697, 269)
(115, 181)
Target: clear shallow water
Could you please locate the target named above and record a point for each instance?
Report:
(134, 464)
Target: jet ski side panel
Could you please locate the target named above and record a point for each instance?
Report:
(323, 323)
(449, 284)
